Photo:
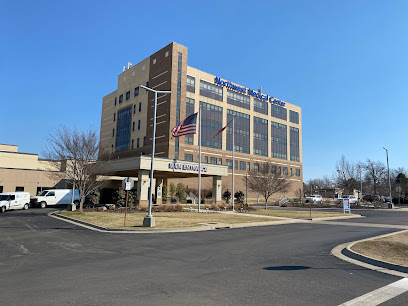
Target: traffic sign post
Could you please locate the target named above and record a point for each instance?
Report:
(127, 185)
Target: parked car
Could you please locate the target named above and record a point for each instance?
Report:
(371, 198)
(386, 199)
(53, 197)
(314, 198)
(14, 200)
(352, 199)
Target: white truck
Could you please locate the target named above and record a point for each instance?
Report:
(14, 200)
(53, 197)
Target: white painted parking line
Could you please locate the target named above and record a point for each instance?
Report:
(380, 295)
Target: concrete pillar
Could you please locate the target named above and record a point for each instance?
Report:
(217, 189)
(143, 188)
(159, 191)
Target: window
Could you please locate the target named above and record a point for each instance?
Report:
(241, 125)
(1, 189)
(113, 132)
(114, 116)
(256, 167)
(132, 143)
(115, 100)
(120, 99)
(237, 99)
(188, 157)
(166, 54)
(291, 171)
(127, 95)
(273, 169)
(19, 189)
(154, 61)
(140, 107)
(294, 116)
(236, 165)
(285, 170)
(144, 141)
(265, 168)
(50, 194)
(137, 143)
(123, 129)
(220, 161)
(260, 136)
(147, 84)
(297, 172)
(279, 140)
(248, 166)
(112, 148)
(133, 126)
(261, 106)
(189, 139)
(136, 91)
(191, 84)
(138, 125)
(206, 159)
(242, 165)
(213, 160)
(229, 163)
(294, 144)
(279, 112)
(211, 123)
(211, 91)
(134, 109)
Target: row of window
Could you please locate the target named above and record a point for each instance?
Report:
(211, 123)
(215, 92)
(127, 95)
(245, 166)
(134, 110)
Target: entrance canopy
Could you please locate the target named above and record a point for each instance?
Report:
(163, 167)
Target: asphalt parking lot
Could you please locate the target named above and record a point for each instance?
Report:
(45, 261)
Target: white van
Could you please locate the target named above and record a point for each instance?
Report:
(55, 197)
(14, 200)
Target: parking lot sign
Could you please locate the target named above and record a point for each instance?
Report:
(128, 183)
(346, 205)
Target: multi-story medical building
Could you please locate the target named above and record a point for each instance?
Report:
(267, 129)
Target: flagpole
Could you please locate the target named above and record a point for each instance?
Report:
(233, 161)
(199, 159)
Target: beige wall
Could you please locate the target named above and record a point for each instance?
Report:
(26, 170)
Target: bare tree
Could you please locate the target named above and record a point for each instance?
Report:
(346, 175)
(375, 172)
(268, 182)
(79, 151)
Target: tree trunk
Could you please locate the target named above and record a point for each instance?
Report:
(266, 203)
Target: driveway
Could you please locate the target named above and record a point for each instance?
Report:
(45, 261)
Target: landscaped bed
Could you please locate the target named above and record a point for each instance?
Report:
(163, 219)
(297, 214)
(393, 249)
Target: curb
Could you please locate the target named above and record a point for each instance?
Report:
(204, 227)
(345, 253)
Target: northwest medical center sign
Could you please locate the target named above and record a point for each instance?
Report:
(249, 91)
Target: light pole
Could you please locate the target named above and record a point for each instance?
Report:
(389, 179)
(73, 183)
(361, 184)
(148, 221)
(246, 188)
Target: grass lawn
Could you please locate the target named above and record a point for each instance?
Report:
(392, 249)
(296, 214)
(163, 219)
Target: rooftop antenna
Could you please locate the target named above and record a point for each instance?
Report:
(260, 89)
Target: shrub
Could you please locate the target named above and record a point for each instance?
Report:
(239, 196)
(226, 196)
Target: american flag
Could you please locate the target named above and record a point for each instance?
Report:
(220, 131)
(186, 127)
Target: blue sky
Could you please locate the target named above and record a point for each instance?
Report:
(344, 62)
